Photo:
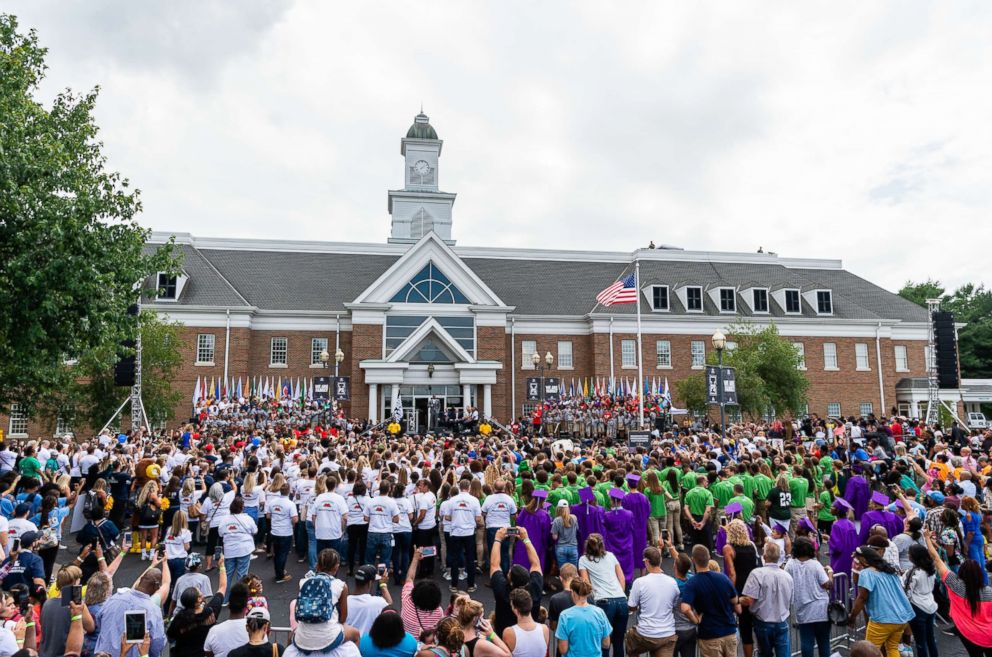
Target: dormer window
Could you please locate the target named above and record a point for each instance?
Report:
(760, 299)
(824, 302)
(728, 300)
(168, 286)
(793, 303)
(659, 297)
(694, 299)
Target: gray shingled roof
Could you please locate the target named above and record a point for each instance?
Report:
(205, 286)
(279, 280)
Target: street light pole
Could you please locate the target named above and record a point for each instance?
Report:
(720, 343)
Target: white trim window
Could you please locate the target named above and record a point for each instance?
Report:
(628, 354)
(317, 346)
(861, 357)
(527, 350)
(278, 352)
(830, 356)
(168, 286)
(659, 298)
(18, 425)
(824, 302)
(63, 422)
(801, 352)
(697, 350)
(760, 300)
(565, 355)
(866, 409)
(663, 349)
(902, 358)
(694, 299)
(793, 302)
(205, 348)
(728, 300)
(833, 409)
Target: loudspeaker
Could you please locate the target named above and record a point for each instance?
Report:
(946, 350)
(125, 367)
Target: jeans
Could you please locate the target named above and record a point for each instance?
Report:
(923, 633)
(461, 549)
(236, 567)
(685, 644)
(772, 638)
(300, 536)
(567, 554)
(426, 538)
(280, 548)
(504, 550)
(336, 544)
(401, 556)
(815, 632)
(378, 543)
(358, 535)
(177, 568)
(311, 545)
(616, 613)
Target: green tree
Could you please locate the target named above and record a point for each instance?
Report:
(918, 293)
(93, 395)
(971, 305)
(767, 373)
(71, 251)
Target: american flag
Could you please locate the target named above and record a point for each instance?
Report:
(623, 291)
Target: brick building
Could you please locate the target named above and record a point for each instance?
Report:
(424, 317)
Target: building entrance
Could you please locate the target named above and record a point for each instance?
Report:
(427, 408)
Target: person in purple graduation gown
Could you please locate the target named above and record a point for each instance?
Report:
(843, 537)
(537, 522)
(877, 515)
(732, 511)
(637, 503)
(857, 491)
(590, 517)
(619, 536)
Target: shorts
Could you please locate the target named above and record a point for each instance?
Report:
(725, 646)
(745, 624)
(636, 643)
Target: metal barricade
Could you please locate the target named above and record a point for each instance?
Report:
(841, 636)
(280, 635)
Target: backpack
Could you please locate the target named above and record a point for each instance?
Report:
(316, 601)
(90, 504)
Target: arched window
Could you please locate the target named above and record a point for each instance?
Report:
(429, 286)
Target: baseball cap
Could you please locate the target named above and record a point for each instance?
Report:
(936, 496)
(28, 538)
(562, 503)
(365, 574)
(259, 612)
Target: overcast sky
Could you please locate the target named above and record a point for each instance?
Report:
(851, 130)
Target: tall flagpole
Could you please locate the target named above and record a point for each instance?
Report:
(640, 358)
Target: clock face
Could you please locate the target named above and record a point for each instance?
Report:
(421, 167)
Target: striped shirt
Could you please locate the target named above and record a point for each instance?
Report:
(416, 620)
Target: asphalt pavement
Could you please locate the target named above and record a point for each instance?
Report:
(280, 595)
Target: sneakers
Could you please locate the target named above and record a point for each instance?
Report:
(473, 588)
(453, 589)
(284, 579)
(446, 575)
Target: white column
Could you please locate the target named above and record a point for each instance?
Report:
(466, 395)
(487, 399)
(373, 402)
(914, 410)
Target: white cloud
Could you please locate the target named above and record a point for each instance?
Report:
(851, 131)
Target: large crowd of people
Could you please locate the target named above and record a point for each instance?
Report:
(695, 543)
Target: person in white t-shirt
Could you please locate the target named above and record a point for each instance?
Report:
(654, 596)
(282, 515)
(237, 529)
(425, 525)
(381, 513)
(465, 514)
(232, 633)
(497, 510)
(329, 512)
(402, 534)
(363, 607)
(177, 541)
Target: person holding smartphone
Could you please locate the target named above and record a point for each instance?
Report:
(56, 616)
(23, 566)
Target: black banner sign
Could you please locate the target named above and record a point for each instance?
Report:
(321, 388)
(637, 439)
(342, 388)
(552, 388)
(721, 385)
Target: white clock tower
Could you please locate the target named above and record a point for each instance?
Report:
(420, 206)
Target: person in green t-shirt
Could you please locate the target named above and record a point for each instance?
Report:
(747, 504)
(29, 466)
(722, 490)
(798, 487)
(762, 487)
(698, 509)
(658, 498)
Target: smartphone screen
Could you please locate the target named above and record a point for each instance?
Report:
(664, 534)
(429, 551)
(723, 521)
(134, 626)
(16, 545)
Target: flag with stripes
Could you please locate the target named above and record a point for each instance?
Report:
(622, 291)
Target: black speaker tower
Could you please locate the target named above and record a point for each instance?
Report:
(946, 348)
(125, 368)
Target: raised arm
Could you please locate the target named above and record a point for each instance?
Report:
(935, 555)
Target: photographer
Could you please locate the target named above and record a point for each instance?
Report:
(23, 566)
(97, 530)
